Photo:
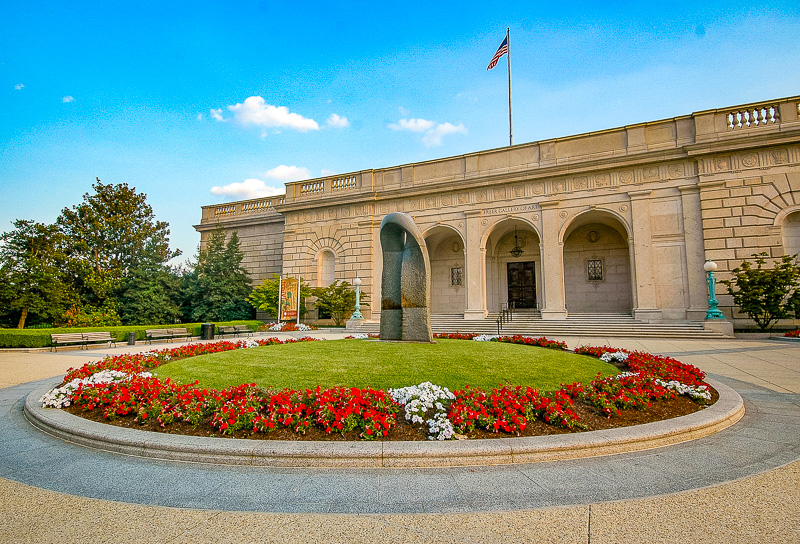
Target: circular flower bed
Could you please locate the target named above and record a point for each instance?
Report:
(122, 388)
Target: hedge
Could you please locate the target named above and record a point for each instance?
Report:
(40, 338)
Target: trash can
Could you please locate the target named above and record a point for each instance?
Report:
(131, 338)
(207, 331)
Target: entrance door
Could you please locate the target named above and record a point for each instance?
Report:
(522, 284)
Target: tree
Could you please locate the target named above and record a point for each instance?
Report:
(150, 296)
(265, 296)
(111, 233)
(31, 272)
(217, 288)
(766, 294)
(338, 299)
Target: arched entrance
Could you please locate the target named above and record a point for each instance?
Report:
(597, 270)
(513, 266)
(448, 274)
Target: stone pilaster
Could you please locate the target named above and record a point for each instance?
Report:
(644, 306)
(693, 240)
(475, 264)
(552, 263)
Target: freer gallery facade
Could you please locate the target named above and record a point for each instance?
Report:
(615, 222)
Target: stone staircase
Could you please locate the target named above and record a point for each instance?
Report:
(530, 323)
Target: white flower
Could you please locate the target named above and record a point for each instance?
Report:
(695, 392)
(485, 337)
(418, 400)
(609, 356)
(60, 397)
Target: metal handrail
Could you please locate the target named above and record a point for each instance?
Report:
(506, 315)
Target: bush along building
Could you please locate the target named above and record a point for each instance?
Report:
(609, 227)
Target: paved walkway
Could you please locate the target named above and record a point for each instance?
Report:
(741, 484)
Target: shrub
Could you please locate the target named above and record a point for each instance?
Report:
(40, 338)
(766, 294)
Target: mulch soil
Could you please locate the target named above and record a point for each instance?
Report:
(590, 417)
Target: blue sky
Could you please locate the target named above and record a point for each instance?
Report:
(195, 103)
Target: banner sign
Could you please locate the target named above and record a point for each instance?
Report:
(288, 299)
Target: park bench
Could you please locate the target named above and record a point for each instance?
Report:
(243, 329)
(165, 334)
(227, 329)
(181, 333)
(81, 338)
(66, 338)
(100, 338)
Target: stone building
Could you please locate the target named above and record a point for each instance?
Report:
(618, 221)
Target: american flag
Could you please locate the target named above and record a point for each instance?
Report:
(502, 50)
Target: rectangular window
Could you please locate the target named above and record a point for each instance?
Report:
(595, 270)
(456, 276)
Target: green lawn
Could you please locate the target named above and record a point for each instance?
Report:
(361, 363)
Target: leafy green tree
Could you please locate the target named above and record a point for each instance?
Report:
(338, 300)
(150, 295)
(265, 296)
(31, 272)
(766, 294)
(217, 288)
(110, 234)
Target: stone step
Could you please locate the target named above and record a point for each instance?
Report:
(527, 322)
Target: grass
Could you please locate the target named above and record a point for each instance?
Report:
(360, 363)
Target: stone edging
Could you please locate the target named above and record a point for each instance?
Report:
(390, 454)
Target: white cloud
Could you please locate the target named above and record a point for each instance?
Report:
(199, 116)
(403, 112)
(255, 111)
(19, 86)
(434, 136)
(216, 114)
(288, 173)
(249, 188)
(414, 125)
(433, 132)
(67, 99)
(334, 121)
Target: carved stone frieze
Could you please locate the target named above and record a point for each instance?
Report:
(676, 170)
(650, 173)
(749, 160)
(778, 156)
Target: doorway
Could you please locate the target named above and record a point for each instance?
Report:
(521, 284)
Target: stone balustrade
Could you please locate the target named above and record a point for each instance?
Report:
(754, 117)
(234, 210)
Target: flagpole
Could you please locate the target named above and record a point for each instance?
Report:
(508, 58)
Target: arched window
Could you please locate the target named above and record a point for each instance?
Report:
(791, 234)
(326, 268)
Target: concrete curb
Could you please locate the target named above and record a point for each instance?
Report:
(286, 453)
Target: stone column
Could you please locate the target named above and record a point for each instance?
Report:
(644, 306)
(695, 252)
(475, 267)
(552, 263)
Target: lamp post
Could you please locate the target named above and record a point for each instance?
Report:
(357, 313)
(713, 312)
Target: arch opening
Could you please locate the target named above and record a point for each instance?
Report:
(513, 277)
(597, 268)
(448, 270)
